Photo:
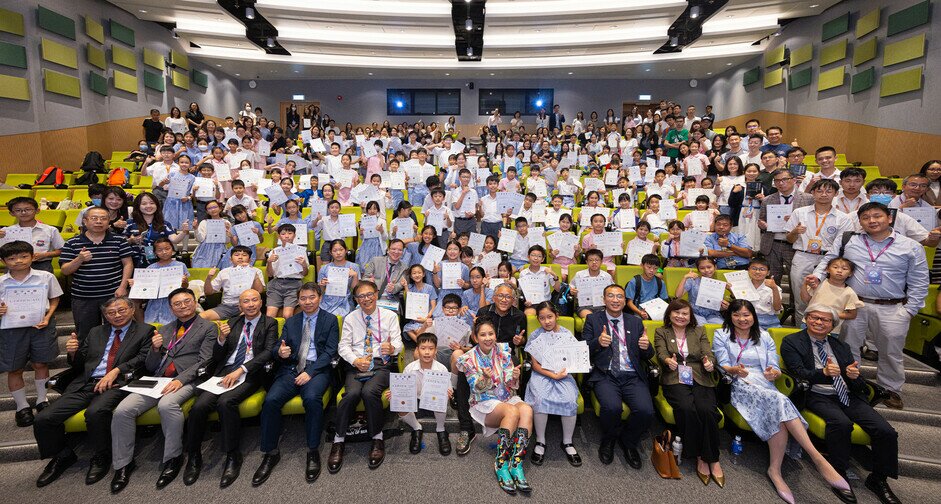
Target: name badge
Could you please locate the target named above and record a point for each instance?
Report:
(814, 245)
(149, 252)
(686, 374)
(873, 275)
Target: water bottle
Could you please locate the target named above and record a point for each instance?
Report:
(736, 449)
(678, 449)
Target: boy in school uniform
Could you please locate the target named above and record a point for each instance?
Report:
(239, 198)
(520, 255)
(465, 197)
(646, 286)
(438, 208)
(593, 257)
(492, 220)
(221, 281)
(22, 343)
(282, 289)
(46, 240)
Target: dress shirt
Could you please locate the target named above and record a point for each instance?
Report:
(249, 353)
(385, 325)
(832, 226)
(102, 366)
(712, 243)
(826, 389)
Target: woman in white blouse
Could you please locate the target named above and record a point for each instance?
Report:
(732, 182)
(578, 125)
(175, 122)
(516, 122)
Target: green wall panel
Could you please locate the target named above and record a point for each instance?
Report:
(800, 78)
(12, 22)
(55, 22)
(12, 55)
(98, 83)
(909, 18)
(751, 76)
(836, 27)
(61, 83)
(155, 81)
(121, 33)
(200, 79)
(863, 80)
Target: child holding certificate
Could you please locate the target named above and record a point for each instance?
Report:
(199, 202)
(27, 327)
(373, 246)
(284, 283)
(652, 215)
(455, 337)
(550, 281)
(598, 222)
(670, 249)
(335, 302)
(581, 280)
(691, 283)
(231, 282)
(479, 294)
(645, 237)
(46, 240)
(769, 302)
(158, 310)
(646, 286)
(417, 284)
(551, 392)
(241, 216)
(443, 279)
(566, 225)
(427, 345)
(210, 255)
(239, 198)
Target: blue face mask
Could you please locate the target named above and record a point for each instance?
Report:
(96, 201)
(885, 199)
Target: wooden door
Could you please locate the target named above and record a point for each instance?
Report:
(642, 108)
(301, 106)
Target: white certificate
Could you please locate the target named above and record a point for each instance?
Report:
(691, 241)
(509, 202)
(251, 175)
(583, 160)
(287, 255)
(154, 390)
(450, 329)
(573, 358)
(507, 241)
(482, 175)
(369, 150)
(437, 221)
(171, 279)
(304, 182)
(205, 188)
(404, 390)
(701, 220)
(396, 180)
(246, 233)
(593, 184)
(490, 262)
(344, 177)
(214, 384)
(22, 303)
(591, 290)
(656, 307)
(305, 136)
(611, 177)
(476, 242)
(604, 159)
(318, 207)
(235, 160)
(299, 161)
(693, 166)
(450, 274)
(317, 145)
(539, 211)
(636, 250)
(146, 284)
(347, 224)
(469, 204)
(926, 216)
(368, 224)
(692, 194)
(276, 195)
(667, 209)
(434, 391)
(404, 228)
(563, 242)
(711, 292)
(178, 188)
(584, 218)
(223, 172)
(610, 243)
(533, 287)
(433, 255)
(416, 305)
(18, 234)
(741, 285)
(633, 174)
(263, 148)
(777, 215)
(338, 281)
(241, 278)
(540, 189)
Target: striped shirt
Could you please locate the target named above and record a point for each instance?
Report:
(101, 276)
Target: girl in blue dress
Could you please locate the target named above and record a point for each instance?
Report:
(416, 250)
(339, 305)
(452, 254)
(479, 294)
(212, 255)
(176, 211)
(158, 310)
(241, 215)
(292, 215)
(690, 284)
(375, 246)
(748, 353)
(145, 226)
(416, 283)
(551, 392)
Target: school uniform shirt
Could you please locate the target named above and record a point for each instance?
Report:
(415, 368)
(455, 195)
(545, 273)
(665, 190)
(329, 229)
(765, 303)
(245, 201)
(45, 237)
(444, 212)
(488, 205)
(553, 216)
(850, 206)
(296, 276)
(160, 171)
(521, 248)
(809, 176)
(221, 282)
(831, 227)
(101, 276)
(36, 278)
(577, 280)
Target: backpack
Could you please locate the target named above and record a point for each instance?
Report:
(638, 283)
(87, 178)
(119, 177)
(93, 162)
(51, 176)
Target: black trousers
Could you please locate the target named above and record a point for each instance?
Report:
(370, 392)
(87, 314)
(49, 427)
(613, 390)
(697, 419)
(462, 395)
(840, 419)
(227, 404)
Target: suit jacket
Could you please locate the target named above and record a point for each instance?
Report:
(799, 200)
(697, 346)
(601, 356)
(191, 353)
(91, 350)
(798, 354)
(377, 268)
(326, 338)
(264, 336)
(556, 123)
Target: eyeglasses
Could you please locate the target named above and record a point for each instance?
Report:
(181, 303)
(24, 210)
(758, 268)
(817, 318)
(611, 295)
(504, 296)
(366, 295)
(97, 219)
(118, 311)
(781, 180)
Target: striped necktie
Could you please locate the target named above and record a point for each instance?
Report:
(838, 384)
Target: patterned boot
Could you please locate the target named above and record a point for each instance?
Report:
(520, 443)
(501, 464)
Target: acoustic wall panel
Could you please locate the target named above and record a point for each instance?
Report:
(55, 22)
(751, 76)
(181, 80)
(12, 22)
(121, 33)
(904, 50)
(95, 30)
(901, 82)
(863, 80)
(154, 81)
(802, 54)
(774, 56)
(774, 77)
(98, 83)
(909, 18)
(832, 53)
(12, 55)
(180, 60)
(125, 82)
(14, 88)
(55, 52)
(96, 56)
(830, 79)
(868, 23)
(123, 57)
(200, 79)
(61, 83)
(865, 51)
(836, 27)
(800, 78)
(153, 59)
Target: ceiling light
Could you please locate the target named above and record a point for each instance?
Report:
(708, 73)
(218, 65)
(539, 102)
(370, 73)
(570, 73)
(297, 71)
(270, 42)
(143, 11)
(238, 74)
(249, 13)
(491, 73)
(470, 51)
(646, 69)
(469, 24)
(674, 41)
(814, 6)
(447, 73)
(777, 34)
(695, 11)
(728, 64)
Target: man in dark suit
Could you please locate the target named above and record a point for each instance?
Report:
(99, 365)
(178, 350)
(305, 354)
(838, 395)
(619, 350)
(774, 246)
(556, 119)
(244, 347)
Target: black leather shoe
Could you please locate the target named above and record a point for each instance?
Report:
(313, 466)
(880, 487)
(97, 469)
(538, 458)
(264, 469)
(846, 496)
(122, 477)
(41, 406)
(870, 355)
(576, 459)
(24, 417)
(414, 444)
(632, 456)
(377, 453)
(335, 460)
(233, 466)
(606, 452)
(170, 471)
(55, 468)
(194, 465)
(444, 443)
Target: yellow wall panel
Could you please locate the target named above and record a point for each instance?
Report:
(123, 57)
(774, 77)
(16, 88)
(153, 59)
(830, 79)
(58, 53)
(95, 30)
(125, 82)
(904, 50)
(832, 53)
(802, 54)
(181, 80)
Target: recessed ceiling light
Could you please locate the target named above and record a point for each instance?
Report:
(537, 31)
(218, 65)
(570, 73)
(370, 73)
(446, 73)
(646, 69)
(728, 64)
(708, 73)
(491, 73)
(730, 16)
(814, 6)
(670, 69)
(613, 27)
(238, 74)
(142, 10)
(297, 71)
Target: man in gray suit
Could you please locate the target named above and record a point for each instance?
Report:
(774, 246)
(177, 351)
(388, 271)
(99, 365)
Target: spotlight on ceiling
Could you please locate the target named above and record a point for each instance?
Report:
(470, 51)
(539, 102)
(695, 11)
(674, 41)
(469, 24)
(270, 42)
(399, 104)
(249, 13)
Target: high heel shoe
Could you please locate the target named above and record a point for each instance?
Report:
(720, 480)
(785, 496)
(703, 477)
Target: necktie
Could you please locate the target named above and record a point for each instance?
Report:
(616, 339)
(171, 369)
(243, 346)
(113, 352)
(367, 348)
(305, 347)
(838, 384)
(787, 199)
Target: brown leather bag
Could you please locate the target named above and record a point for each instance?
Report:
(662, 456)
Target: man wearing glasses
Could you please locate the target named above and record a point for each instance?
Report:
(370, 340)
(774, 246)
(914, 188)
(100, 265)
